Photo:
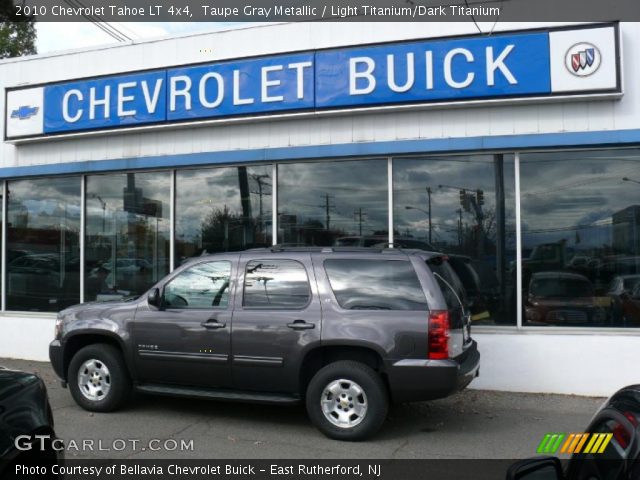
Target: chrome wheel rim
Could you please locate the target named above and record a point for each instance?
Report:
(344, 403)
(94, 380)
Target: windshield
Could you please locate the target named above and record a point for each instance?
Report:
(561, 287)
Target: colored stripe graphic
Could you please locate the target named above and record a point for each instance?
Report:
(574, 443)
(598, 442)
(550, 443)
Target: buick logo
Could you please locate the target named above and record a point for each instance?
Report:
(583, 59)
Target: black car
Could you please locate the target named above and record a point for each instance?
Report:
(620, 417)
(346, 330)
(24, 413)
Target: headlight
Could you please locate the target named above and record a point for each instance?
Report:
(58, 328)
(599, 316)
(532, 315)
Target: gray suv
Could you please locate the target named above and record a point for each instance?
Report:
(345, 330)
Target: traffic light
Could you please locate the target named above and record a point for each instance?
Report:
(464, 200)
(479, 197)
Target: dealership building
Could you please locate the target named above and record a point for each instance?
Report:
(515, 151)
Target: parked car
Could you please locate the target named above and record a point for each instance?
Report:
(24, 413)
(618, 416)
(344, 330)
(624, 292)
(564, 299)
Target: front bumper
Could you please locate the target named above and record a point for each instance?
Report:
(57, 359)
(413, 380)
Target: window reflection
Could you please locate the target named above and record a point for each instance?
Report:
(375, 285)
(222, 209)
(127, 233)
(463, 206)
(581, 238)
(202, 286)
(333, 203)
(276, 284)
(43, 246)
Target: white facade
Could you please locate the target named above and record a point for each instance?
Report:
(569, 360)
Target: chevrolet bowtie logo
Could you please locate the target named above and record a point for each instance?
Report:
(25, 112)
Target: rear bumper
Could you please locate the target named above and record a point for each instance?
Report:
(56, 358)
(413, 380)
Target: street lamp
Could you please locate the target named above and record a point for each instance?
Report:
(627, 179)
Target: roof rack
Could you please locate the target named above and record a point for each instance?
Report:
(325, 249)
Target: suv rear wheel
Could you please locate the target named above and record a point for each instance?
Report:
(347, 400)
(98, 378)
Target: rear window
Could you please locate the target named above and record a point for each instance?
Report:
(375, 284)
(449, 283)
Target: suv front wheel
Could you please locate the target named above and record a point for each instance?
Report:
(347, 400)
(98, 378)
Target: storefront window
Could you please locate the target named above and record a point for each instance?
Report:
(333, 203)
(127, 233)
(222, 209)
(43, 244)
(581, 238)
(463, 206)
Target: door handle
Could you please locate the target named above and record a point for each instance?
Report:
(301, 325)
(213, 324)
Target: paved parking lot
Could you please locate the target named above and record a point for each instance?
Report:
(472, 424)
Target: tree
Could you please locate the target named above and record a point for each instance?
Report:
(17, 33)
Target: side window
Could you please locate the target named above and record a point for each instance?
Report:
(205, 285)
(276, 284)
(375, 284)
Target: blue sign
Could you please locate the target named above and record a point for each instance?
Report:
(107, 102)
(444, 70)
(497, 66)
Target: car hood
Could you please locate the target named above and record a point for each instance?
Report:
(94, 307)
(14, 380)
(561, 302)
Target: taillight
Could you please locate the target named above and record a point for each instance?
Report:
(438, 335)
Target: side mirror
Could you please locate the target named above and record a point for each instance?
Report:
(154, 297)
(539, 468)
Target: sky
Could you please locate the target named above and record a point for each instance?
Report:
(57, 36)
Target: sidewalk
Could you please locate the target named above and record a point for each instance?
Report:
(472, 424)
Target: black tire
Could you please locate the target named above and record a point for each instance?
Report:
(374, 389)
(119, 381)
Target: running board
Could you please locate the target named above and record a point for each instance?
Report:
(213, 394)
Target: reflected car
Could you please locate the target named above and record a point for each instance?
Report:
(630, 307)
(619, 419)
(611, 267)
(24, 413)
(562, 299)
(621, 290)
(34, 280)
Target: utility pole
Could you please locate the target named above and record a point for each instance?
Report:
(430, 226)
(359, 214)
(261, 183)
(327, 208)
(459, 227)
